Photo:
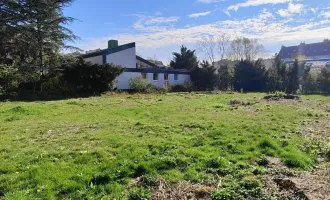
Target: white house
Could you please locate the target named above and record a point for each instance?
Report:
(125, 55)
(316, 55)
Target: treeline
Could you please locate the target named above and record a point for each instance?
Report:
(252, 75)
(32, 35)
(73, 77)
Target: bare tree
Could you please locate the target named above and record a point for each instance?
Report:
(207, 45)
(223, 42)
(245, 48)
(214, 47)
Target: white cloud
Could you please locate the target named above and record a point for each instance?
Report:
(291, 10)
(154, 24)
(259, 27)
(325, 14)
(265, 27)
(249, 3)
(201, 14)
(161, 20)
(265, 14)
(227, 13)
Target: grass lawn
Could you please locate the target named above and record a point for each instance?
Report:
(93, 148)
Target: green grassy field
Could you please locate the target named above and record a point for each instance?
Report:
(93, 148)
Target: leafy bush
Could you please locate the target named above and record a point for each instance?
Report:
(204, 78)
(250, 76)
(185, 87)
(9, 79)
(90, 78)
(140, 84)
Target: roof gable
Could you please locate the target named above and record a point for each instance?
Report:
(109, 51)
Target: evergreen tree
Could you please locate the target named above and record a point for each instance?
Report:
(186, 59)
(225, 77)
(277, 75)
(293, 78)
(250, 75)
(204, 77)
(33, 33)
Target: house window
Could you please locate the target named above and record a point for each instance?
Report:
(144, 75)
(166, 77)
(155, 77)
(176, 77)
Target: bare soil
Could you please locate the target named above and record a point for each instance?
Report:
(282, 182)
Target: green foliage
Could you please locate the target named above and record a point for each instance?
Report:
(148, 181)
(226, 77)
(185, 87)
(139, 194)
(250, 75)
(248, 188)
(293, 78)
(296, 159)
(277, 75)
(33, 33)
(140, 84)
(204, 78)
(9, 79)
(324, 80)
(86, 77)
(327, 151)
(186, 59)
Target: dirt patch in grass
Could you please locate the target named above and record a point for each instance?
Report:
(310, 185)
(281, 97)
(181, 191)
(242, 103)
(281, 182)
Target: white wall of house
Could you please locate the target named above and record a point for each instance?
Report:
(123, 80)
(318, 62)
(125, 58)
(181, 78)
(95, 60)
(308, 58)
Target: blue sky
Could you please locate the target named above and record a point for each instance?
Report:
(160, 27)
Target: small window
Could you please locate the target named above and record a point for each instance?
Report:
(176, 77)
(166, 77)
(155, 77)
(144, 75)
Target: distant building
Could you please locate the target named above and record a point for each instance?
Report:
(125, 55)
(316, 55)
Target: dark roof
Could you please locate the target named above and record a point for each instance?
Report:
(308, 50)
(147, 62)
(158, 70)
(109, 51)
